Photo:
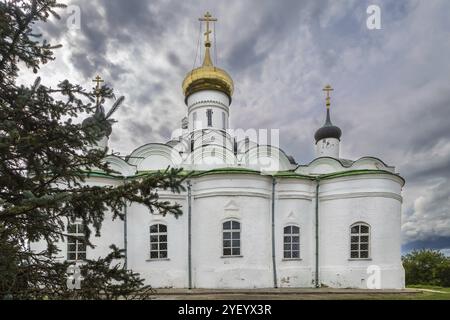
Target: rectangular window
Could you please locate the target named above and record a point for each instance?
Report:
(209, 113)
(231, 238)
(291, 240)
(359, 241)
(194, 120)
(224, 125)
(158, 241)
(76, 246)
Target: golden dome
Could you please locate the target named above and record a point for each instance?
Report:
(207, 77)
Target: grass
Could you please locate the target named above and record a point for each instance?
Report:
(429, 293)
(435, 293)
(428, 287)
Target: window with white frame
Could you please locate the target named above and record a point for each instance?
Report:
(158, 241)
(360, 241)
(231, 238)
(291, 242)
(76, 246)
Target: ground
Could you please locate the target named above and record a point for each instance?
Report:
(412, 293)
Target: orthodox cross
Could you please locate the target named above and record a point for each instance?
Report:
(328, 89)
(98, 80)
(207, 18)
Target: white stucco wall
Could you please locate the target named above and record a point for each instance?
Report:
(371, 198)
(294, 206)
(200, 102)
(374, 200)
(170, 272)
(245, 198)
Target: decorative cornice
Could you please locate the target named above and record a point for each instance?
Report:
(357, 175)
(172, 196)
(236, 171)
(203, 103)
(294, 196)
(231, 193)
(368, 194)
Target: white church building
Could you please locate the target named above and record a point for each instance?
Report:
(252, 216)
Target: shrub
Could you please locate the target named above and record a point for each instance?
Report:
(426, 267)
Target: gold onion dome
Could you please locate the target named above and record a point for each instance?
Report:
(207, 77)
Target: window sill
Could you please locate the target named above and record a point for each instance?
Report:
(291, 259)
(226, 257)
(159, 259)
(360, 259)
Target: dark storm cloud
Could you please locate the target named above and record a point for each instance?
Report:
(434, 242)
(274, 24)
(165, 130)
(423, 171)
(138, 129)
(174, 59)
(106, 27)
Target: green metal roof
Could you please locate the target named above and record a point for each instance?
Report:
(233, 170)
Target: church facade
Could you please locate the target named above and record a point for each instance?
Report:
(253, 217)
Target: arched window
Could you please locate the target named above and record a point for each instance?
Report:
(360, 241)
(158, 241)
(76, 247)
(231, 238)
(291, 242)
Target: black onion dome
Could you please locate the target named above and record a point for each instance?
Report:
(328, 130)
(102, 126)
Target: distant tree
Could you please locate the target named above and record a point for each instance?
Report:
(443, 273)
(45, 156)
(430, 267)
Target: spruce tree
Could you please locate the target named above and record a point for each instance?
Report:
(45, 157)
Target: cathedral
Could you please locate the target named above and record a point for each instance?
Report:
(252, 216)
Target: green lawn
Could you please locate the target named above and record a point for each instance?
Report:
(436, 293)
(443, 294)
(436, 288)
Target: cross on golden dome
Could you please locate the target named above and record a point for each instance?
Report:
(207, 76)
(98, 80)
(207, 18)
(328, 89)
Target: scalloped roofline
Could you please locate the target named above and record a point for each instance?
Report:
(271, 146)
(342, 164)
(145, 145)
(120, 159)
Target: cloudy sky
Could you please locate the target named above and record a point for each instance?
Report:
(392, 86)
